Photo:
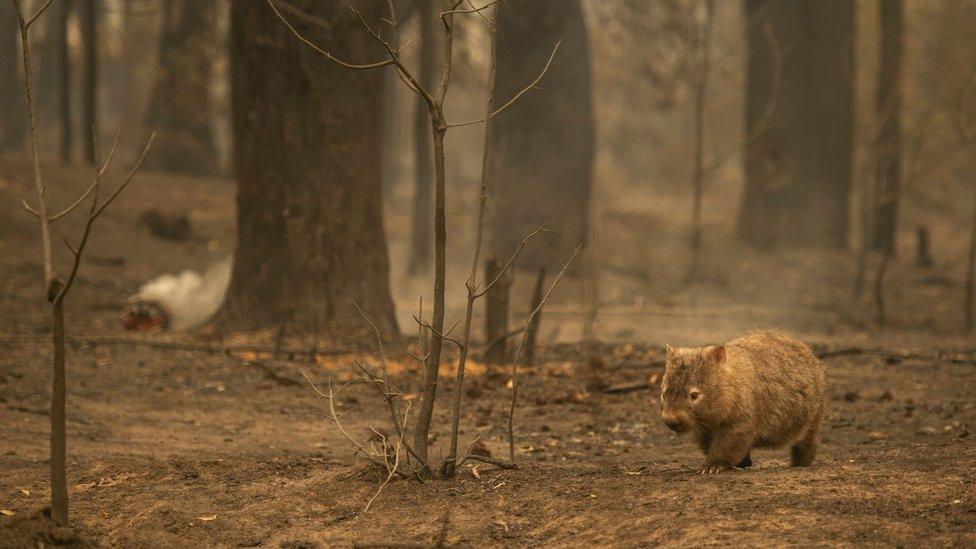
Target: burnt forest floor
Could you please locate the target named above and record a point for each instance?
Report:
(173, 447)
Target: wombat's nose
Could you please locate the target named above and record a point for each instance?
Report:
(674, 425)
(673, 422)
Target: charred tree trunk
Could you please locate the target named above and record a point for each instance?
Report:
(532, 328)
(307, 144)
(423, 172)
(496, 313)
(179, 107)
(89, 85)
(798, 171)
(888, 161)
(12, 120)
(542, 151)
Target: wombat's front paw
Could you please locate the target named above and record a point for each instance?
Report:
(713, 468)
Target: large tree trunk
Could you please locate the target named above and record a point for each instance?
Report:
(798, 171)
(888, 146)
(12, 120)
(179, 107)
(542, 151)
(307, 145)
(89, 85)
(423, 172)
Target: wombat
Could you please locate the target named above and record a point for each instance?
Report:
(764, 390)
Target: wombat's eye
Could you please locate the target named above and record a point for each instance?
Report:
(694, 395)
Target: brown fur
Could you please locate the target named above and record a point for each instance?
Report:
(764, 390)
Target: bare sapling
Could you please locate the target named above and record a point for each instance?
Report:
(434, 100)
(56, 288)
(703, 171)
(518, 352)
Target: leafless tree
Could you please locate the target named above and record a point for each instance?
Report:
(702, 170)
(434, 100)
(57, 289)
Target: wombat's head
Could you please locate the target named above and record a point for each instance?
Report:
(688, 384)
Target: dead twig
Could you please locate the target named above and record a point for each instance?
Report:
(518, 352)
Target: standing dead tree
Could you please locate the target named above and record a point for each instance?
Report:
(57, 289)
(434, 100)
(967, 137)
(702, 170)
(893, 194)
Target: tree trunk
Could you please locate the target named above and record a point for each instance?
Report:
(698, 179)
(12, 120)
(542, 152)
(89, 86)
(496, 313)
(179, 107)
(888, 161)
(798, 171)
(59, 447)
(307, 144)
(64, 82)
(423, 173)
(532, 328)
(971, 273)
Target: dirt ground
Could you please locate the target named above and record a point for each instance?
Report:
(172, 448)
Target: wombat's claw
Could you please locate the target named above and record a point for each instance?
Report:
(712, 468)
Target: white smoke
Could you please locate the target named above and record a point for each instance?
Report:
(189, 297)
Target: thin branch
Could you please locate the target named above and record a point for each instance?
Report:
(396, 463)
(446, 336)
(405, 75)
(518, 352)
(523, 91)
(320, 51)
(98, 174)
(128, 176)
(763, 124)
(511, 260)
(504, 464)
(39, 13)
(39, 187)
(292, 9)
(472, 10)
(335, 418)
(88, 226)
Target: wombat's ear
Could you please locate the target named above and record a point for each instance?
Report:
(717, 354)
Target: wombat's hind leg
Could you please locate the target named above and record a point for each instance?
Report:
(746, 462)
(803, 452)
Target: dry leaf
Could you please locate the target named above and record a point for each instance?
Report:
(207, 518)
(474, 472)
(25, 491)
(7, 512)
